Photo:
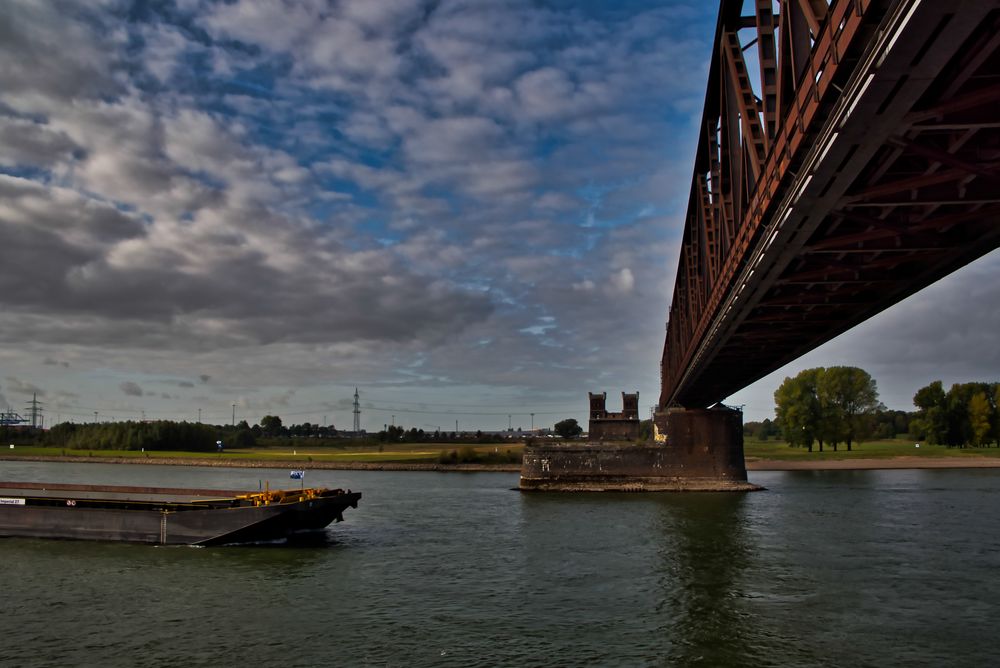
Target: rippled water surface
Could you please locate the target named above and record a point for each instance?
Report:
(866, 568)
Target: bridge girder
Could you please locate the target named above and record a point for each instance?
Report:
(867, 169)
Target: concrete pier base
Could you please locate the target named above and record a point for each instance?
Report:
(703, 451)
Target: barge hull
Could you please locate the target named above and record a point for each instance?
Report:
(145, 518)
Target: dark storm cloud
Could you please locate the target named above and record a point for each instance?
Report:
(29, 144)
(131, 389)
(18, 386)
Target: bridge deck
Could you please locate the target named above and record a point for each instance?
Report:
(884, 180)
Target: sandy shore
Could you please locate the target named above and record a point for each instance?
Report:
(753, 464)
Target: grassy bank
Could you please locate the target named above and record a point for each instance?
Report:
(780, 451)
(401, 453)
(440, 456)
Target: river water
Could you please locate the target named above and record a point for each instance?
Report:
(868, 568)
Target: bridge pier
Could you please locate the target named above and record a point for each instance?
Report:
(702, 451)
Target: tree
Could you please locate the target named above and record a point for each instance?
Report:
(979, 418)
(243, 438)
(828, 405)
(797, 409)
(957, 403)
(967, 414)
(885, 423)
(931, 419)
(996, 413)
(761, 430)
(392, 433)
(846, 395)
(271, 424)
(568, 428)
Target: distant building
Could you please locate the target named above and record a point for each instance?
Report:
(622, 426)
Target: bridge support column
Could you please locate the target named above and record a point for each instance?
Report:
(703, 451)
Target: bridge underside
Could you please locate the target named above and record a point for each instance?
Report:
(884, 180)
(867, 167)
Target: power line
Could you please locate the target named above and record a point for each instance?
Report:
(445, 411)
(449, 405)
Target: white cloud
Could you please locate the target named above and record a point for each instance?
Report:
(335, 190)
(622, 281)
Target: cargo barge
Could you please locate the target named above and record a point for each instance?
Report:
(166, 516)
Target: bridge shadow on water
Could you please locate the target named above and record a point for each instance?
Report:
(703, 555)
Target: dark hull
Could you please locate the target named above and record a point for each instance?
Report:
(164, 517)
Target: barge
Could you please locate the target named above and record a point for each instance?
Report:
(166, 516)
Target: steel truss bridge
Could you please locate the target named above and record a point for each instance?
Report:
(849, 156)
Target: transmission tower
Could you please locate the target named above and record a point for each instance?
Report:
(34, 411)
(357, 412)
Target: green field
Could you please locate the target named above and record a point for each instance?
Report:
(866, 450)
(400, 452)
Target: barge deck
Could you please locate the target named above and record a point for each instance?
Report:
(166, 516)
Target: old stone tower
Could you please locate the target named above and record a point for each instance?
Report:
(622, 426)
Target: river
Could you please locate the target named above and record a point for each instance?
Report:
(837, 568)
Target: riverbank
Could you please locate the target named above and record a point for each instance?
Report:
(753, 464)
(910, 462)
(268, 464)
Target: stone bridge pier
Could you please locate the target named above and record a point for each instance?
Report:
(695, 450)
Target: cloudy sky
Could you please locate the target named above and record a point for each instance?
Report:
(468, 209)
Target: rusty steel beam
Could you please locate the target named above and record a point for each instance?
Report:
(865, 170)
(767, 55)
(909, 184)
(732, 102)
(948, 158)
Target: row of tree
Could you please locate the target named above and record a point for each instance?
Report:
(168, 435)
(164, 435)
(882, 423)
(825, 405)
(271, 426)
(967, 414)
(397, 433)
(840, 404)
(158, 435)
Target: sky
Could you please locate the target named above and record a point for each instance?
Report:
(469, 210)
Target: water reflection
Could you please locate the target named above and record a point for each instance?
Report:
(669, 571)
(705, 551)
